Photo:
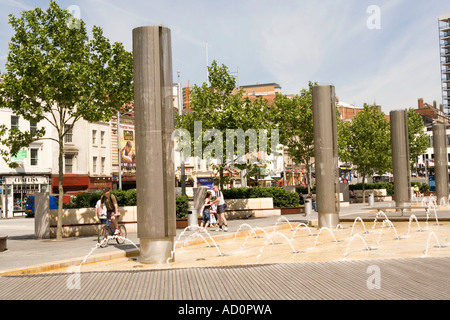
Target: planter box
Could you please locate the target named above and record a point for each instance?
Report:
(183, 222)
(295, 210)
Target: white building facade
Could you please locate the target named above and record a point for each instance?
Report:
(86, 163)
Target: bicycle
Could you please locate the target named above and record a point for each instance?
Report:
(106, 233)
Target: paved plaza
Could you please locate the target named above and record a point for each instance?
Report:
(47, 269)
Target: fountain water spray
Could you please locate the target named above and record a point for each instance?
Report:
(278, 221)
(100, 244)
(432, 207)
(299, 225)
(409, 224)
(244, 225)
(391, 225)
(265, 232)
(320, 231)
(439, 245)
(357, 235)
(362, 222)
(376, 218)
(269, 238)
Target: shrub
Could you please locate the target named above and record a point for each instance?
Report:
(281, 197)
(389, 186)
(124, 198)
(182, 204)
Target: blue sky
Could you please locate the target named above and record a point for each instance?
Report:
(287, 41)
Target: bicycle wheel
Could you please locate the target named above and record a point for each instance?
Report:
(122, 236)
(103, 235)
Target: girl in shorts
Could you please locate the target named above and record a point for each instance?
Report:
(206, 212)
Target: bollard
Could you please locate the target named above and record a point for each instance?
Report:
(192, 218)
(371, 199)
(3, 245)
(308, 206)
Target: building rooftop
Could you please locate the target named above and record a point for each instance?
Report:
(444, 17)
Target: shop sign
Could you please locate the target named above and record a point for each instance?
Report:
(26, 180)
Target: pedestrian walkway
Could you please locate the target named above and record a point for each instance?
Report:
(274, 281)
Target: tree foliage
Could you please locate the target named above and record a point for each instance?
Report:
(419, 141)
(218, 108)
(294, 119)
(366, 143)
(55, 73)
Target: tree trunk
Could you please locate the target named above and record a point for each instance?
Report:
(364, 187)
(308, 172)
(60, 190)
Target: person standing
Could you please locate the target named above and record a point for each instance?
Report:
(100, 215)
(206, 211)
(220, 201)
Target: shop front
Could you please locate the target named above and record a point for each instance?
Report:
(73, 184)
(16, 189)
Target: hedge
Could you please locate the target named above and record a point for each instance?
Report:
(124, 198)
(389, 186)
(282, 198)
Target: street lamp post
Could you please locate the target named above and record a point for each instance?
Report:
(118, 149)
(180, 112)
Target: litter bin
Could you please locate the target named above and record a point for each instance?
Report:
(308, 206)
(192, 218)
(371, 199)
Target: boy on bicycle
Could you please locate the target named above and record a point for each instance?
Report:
(112, 209)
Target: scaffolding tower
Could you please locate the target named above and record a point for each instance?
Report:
(444, 45)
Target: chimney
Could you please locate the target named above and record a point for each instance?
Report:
(441, 106)
(434, 104)
(420, 103)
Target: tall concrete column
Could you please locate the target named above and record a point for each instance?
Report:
(326, 154)
(400, 157)
(440, 162)
(154, 124)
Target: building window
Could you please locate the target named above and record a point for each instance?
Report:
(102, 138)
(103, 165)
(68, 163)
(68, 133)
(94, 164)
(94, 137)
(33, 127)
(34, 157)
(15, 122)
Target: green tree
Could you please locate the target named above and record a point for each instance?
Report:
(56, 74)
(419, 141)
(294, 118)
(221, 107)
(366, 142)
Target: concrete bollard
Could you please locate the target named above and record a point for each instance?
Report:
(308, 207)
(371, 199)
(192, 218)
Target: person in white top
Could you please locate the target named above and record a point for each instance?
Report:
(220, 202)
(98, 214)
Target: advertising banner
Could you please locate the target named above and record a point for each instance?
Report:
(127, 146)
